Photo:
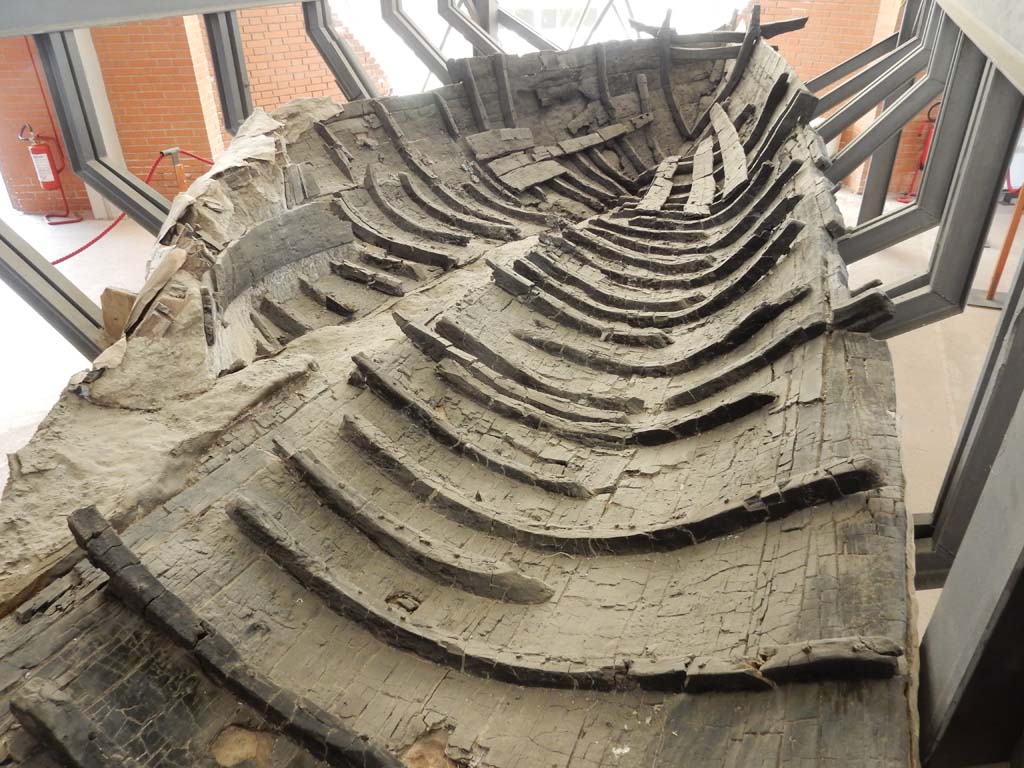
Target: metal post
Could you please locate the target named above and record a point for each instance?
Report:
(876, 186)
(950, 131)
(909, 65)
(903, 109)
(79, 125)
(229, 66)
(393, 15)
(486, 13)
(852, 64)
(525, 31)
(482, 42)
(966, 218)
(352, 79)
(49, 293)
(972, 660)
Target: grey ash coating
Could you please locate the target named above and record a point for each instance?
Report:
(528, 422)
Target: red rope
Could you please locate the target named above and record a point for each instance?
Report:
(149, 176)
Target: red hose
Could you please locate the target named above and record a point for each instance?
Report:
(149, 176)
(65, 216)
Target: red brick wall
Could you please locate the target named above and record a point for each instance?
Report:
(837, 29)
(25, 101)
(162, 93)
(373, 69)
(151, 85)
(282, 62)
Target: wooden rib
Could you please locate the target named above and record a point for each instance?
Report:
(391, 264)
(312, 727)
(644, 301)
(512, 211)
(703, 190)
(734, 160)
(451, 218)
(782, 344)
(506, 96)
(665, 71)
(446, 116)
(536, 298)
(438, 349)
(583, 166)
(367, 232)
(658, 432)
(750, 39)
(566, 188)
(452, 439)
(770, 503)
(469, 342)
(761, 265)
(735, 213)
(445, 563)
(402, 220)
(371, 278)
(613, 173)
(755, 232)
(284, 318)
(603, 89)
(341, 157)
(476, 104)
(326, 298)
(592, 357)
(626, 250)
(474, 657)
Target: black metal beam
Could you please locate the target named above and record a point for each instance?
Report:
(995, 120)
(482, 42)
(49, 293)
(972, 657)
(876, 186)
(525, 31)
(352, 79)
(852, 64)
(39, 16)
(79, 125)
(903, 109)
(393, 15)
(229, 66)
(950, 131)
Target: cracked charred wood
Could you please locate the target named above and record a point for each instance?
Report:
(597, 465)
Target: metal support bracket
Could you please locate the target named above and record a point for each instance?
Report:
(482, 42)
(352, 79)
(950, 131)
(229, 66)
(991, 137)
(525, 31)
(904, 108)
(393, 15)
(79, 125)
(49, 293)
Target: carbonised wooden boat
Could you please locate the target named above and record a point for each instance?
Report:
(527, 422)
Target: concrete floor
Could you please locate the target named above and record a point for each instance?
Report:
(936, 366)
(38, 359)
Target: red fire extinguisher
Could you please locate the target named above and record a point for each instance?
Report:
(47, 172)
(42, 158)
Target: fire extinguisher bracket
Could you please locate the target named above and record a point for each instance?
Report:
(47, 172)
